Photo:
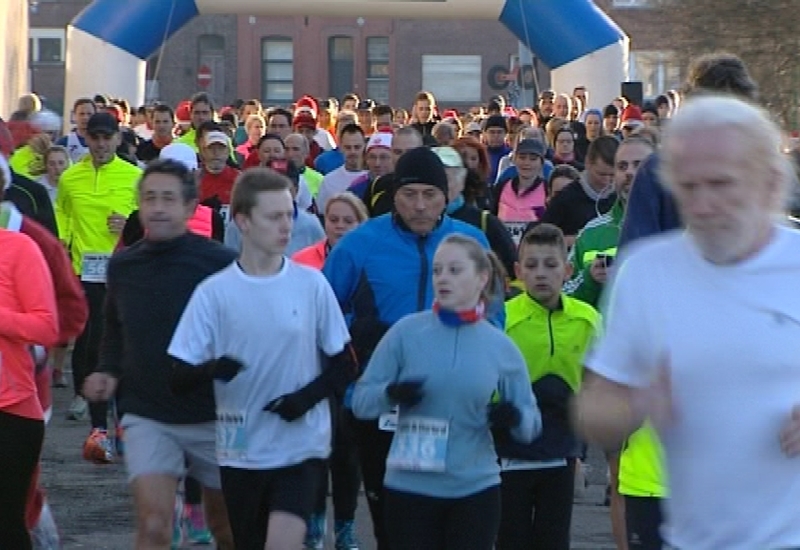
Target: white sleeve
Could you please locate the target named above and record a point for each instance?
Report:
(332, 332)
(194, 340)
(303, 195)
(627, 352)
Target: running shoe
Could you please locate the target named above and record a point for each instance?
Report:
(194, 525)
(98, 447)
(345, 535)
(78, 409)
(59, 380)
(315, 532)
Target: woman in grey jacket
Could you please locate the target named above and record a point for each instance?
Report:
(453, 377)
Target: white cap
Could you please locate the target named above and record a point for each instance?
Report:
(46, 121)
(216, 136)
(6, 172)
(182, 153)
(472, 127)
(380, 139)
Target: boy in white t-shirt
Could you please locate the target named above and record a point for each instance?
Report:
(273, 419)
(702, 334)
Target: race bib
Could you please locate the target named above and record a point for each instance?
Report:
(231, 435)
(388, 422)
(419, 444)
(93, 267)
(516, 229)
(225, 212)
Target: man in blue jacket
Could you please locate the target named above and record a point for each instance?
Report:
(651, 209)
(381, 272)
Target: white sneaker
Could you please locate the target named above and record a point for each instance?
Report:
(44, 535)
(78, 409)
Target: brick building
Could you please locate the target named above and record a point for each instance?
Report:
(277, 59)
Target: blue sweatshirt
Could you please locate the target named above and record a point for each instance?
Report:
(651, 209)
(394, 265)
(463, 367)
(306, 230)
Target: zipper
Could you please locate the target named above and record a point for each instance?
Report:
(423, 273)
(550, 329)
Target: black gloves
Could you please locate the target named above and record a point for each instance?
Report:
(504, 415)
(408, 392)
(185, 377)
(342, 370)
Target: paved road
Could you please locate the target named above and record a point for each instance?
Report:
(93, 507)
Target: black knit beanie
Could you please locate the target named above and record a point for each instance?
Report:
(420, 165)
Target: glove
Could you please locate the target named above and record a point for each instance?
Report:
(290, 406)
(408, 392)
(226, 368)
(504, 415)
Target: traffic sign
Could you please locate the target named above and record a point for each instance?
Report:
(204, 76)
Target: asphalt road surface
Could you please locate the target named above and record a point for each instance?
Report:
(94, 510)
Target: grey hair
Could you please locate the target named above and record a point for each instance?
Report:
(409, 131)
(750, 123)
(303, 139)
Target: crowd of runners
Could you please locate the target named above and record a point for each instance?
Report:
(262, 306)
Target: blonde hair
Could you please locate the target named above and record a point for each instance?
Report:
(352, 201)
(254, 118)
(485, 262)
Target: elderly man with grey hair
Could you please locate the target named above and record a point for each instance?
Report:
(297, 148)
(702, 327)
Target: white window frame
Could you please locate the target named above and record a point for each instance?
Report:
(475, 87)
(36, 33)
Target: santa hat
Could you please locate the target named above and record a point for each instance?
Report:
(309, 103)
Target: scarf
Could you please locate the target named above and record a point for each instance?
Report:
(458, 318)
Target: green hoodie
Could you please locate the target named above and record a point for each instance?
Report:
(599, 236)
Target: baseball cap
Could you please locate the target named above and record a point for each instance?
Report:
(380, 139)
(531, 146)
(102, 123)
(495, 121)
(182, 153)
(216, 136)
(449, 157)
(366, 105)
(472, 127)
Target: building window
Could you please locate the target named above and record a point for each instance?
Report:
(378, 69)
(452, 78)
(46, 46)
(277, 72)
(341, 65)
(658, 71)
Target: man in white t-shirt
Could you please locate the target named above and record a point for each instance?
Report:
(352, 144)
(702, 335)
(273, 419)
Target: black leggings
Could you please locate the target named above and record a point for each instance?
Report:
(344, 470)
(537, 508)
(416, 522)
(373, 448)
(87, 350)
(643, 520)
(20, 447)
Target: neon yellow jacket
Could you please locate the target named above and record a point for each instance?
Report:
(86, 197)
(552, 342)
(189, 138)
(24, 160)
(641, 470)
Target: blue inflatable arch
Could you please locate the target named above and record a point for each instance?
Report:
(576, 39)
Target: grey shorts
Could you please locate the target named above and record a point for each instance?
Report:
(153, 447)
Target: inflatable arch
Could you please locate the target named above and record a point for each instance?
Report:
(109, 41)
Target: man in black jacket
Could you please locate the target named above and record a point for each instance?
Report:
(149, 285)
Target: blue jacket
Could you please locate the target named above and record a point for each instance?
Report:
(651, 209)
(329, 161)
(394, 265)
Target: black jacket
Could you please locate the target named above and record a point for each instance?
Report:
(496, 233)
(32, 200)
(572, 208)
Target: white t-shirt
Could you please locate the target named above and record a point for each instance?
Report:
(276, 326)
(336, 182)
(732, 334)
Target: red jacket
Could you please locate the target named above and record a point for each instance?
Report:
(312, 256)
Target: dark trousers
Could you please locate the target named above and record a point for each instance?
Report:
(20, 446)
(373, 448)
(643, 520)
(416, 522)
(537, 509)
(87, 349)
(344, 470)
